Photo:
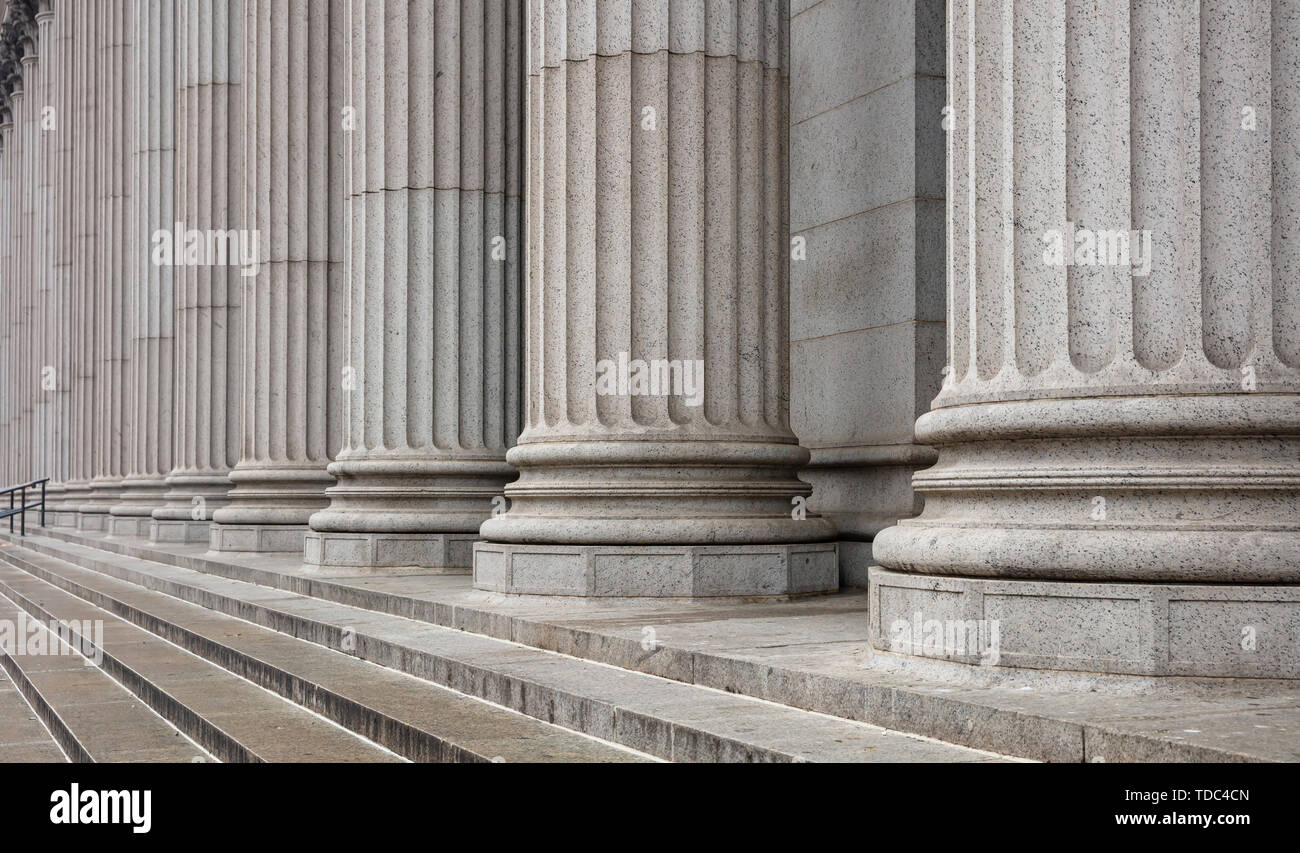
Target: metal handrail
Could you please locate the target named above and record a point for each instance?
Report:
(21, 509)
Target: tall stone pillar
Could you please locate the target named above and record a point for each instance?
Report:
(34, 276)
(24, 162)
(209, 205)
(151, 285)
(112, 311)
(1118, 484)
(50, 380)
(81, 217)
(295, 306)
(431, 379)
(20, 333)
(657, 457)
(10, 297)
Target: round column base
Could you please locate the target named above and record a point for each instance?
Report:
(657, 571)
(450, 552)
(1168, 629)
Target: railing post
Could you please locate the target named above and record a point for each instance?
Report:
(11, 506)
(43, 482)
(22, 511)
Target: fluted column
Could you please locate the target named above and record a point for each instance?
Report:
(1118, 416)
(80, 120)
(150, 285)
(657, 457)
(295, 306)
(33, 280)
(11, 369)
(113, 299)
(24, 279)
(50, 384)
(432, 376)
(209, 324)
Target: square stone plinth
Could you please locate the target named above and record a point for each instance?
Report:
(452, 552)
(92, 521)
(1229, 630)
(179, 531)
(654, 571)
(257, 538)
(129, 525)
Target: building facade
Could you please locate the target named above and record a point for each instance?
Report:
(991, 309)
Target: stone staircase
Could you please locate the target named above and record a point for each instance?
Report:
(200, 667)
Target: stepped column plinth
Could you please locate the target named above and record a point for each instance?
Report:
(208, 294)
(295, 307)
(431, 383)
(1118, 484)
(657, 457)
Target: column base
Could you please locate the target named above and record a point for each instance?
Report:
(654, 571)
(92, 520)
(446, 551)
(257, 538)
(179, 531)
(141, 495)
(1219, 630)
(129, 525)
(63, 518)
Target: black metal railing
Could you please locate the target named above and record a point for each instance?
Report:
(20, 506)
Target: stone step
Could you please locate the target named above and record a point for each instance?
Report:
(666, 719)
(57, 706)
(414, 718)
(813, 654)
(232, 719)
(24, 739)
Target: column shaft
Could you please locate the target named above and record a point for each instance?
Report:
(151, 285)
(295, 306)
(209, 206)
(432, 376)
(82, 213)
(112, 307)
(1123, 398)
(657, 457)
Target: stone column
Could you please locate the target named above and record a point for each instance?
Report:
(657, 457)
(295, 305)
(70, 187)
(112, 311)
(432, 379)
(1118, 485)
(151, 285)
(34, 278)
(20, 332)
(24, 239)
(79, 118)
(11, 369)
(209, 204)
(50, 383)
